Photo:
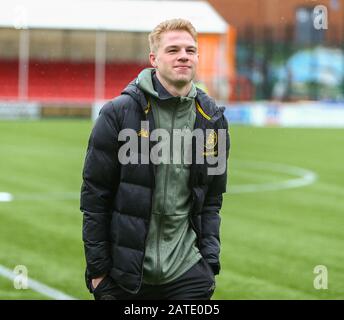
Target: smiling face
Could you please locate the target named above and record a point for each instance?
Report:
(175, 59)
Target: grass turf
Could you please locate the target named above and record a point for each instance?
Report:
(271, 240)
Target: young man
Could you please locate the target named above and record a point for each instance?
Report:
(151, 230)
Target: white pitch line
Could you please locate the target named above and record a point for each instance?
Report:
(303, 177)
(37, 286)
(5, 197)
(47, 196)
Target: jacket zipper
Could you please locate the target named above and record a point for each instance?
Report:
(197, 125)
(165, 192)
(171, 159)
(151, 120)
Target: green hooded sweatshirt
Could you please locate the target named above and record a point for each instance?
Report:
(171, 247)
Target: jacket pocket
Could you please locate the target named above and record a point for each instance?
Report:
(101, 284)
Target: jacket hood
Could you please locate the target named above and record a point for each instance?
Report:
(154, 88)
(143, 85)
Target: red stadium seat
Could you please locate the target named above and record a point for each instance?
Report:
(65, 81)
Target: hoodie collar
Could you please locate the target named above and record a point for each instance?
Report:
(140, 95)
(149, 83)
(159, 88)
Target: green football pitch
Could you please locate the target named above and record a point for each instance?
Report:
(282, 218)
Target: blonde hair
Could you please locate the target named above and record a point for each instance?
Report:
(154, 37)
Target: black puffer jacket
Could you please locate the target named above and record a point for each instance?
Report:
(116, 199)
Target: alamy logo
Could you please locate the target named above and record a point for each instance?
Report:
(20, 280)
(321, 280)
(174, 147)
(320, 21)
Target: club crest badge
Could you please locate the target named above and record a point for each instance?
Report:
(211, 140)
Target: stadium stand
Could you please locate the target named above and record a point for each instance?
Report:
(65, 56)
(9, 79)
(74, 81)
